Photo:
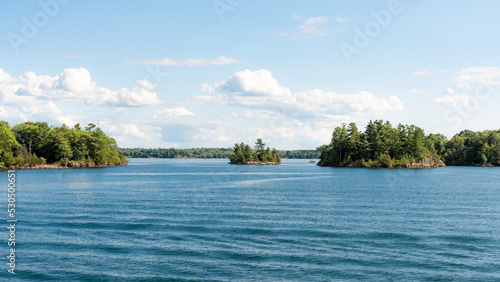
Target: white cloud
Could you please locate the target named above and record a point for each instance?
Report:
(449, 90)
(463, 87)
(311, 28)
(451, 101)
(67, 119)
(479, 75)
(206, 88)
(190, 62)
(175, 112)
(6, 78)
(296, 17)
(123, 130)
(421, 73)
(42, 107)
(466, 78)
(212, 135)
(415, 91)
(341, 20)
(75, 84)
(443, 72)
(3, 112)
(258, 83)
(258, 89)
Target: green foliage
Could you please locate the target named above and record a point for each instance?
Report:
(8, 144)
(243, 154)
(381, 145)
(35, 143)
(474, 148)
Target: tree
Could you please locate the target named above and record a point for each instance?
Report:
(8, 144)
(260, 148)
(32, 136)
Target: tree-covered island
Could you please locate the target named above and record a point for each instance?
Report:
(407, 146)
(38, 145)
(243, 154)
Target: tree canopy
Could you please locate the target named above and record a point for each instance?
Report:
(34, 143)
(382, 145)
(243, 154)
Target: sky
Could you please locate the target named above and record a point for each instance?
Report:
(188, 74)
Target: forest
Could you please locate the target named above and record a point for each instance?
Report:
(36, 143)
(381, 145)
(243, 154)
(207, 153)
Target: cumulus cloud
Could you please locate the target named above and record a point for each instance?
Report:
(449, 90)
(258, 89)
(123, 129)
(6, 78)
(206, 88)
(452, 101)
(468, 82)
(74, 84)
(479, 75)
(175, 112)
(212, 135)
(421, 73)
(255, 83)
(190, 62)
(3, 112)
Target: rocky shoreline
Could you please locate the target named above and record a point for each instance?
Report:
(256, 163)
(425, 163)
(71, 164)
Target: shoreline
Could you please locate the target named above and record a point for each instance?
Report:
(425, 163)
(71, 164)
(256, 163)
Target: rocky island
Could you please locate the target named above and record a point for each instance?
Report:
(243, 154)
(407, 146)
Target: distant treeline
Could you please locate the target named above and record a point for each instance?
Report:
(381, 145)
(36, 143)
(207, 153)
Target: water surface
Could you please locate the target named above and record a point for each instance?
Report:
(168, 219)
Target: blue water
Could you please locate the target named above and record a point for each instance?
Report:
(168, 219)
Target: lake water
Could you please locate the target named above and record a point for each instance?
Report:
(167, 219)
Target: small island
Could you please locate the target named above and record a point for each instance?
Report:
(36, 145)
(406, 146)
(243, 154)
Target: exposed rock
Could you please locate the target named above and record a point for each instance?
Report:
(257, 163)
(71, 164)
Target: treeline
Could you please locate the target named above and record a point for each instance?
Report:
(204, 153)
(36, 143)
(207, 153)
(243, 154)
(299, 154)
(381, 145)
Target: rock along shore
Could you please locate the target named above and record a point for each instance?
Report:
(257, 163)
(71, 164)
(425, 163)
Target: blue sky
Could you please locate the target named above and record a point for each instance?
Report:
(211, 73)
